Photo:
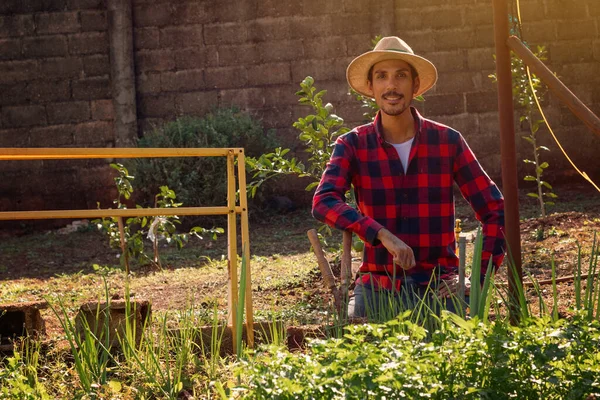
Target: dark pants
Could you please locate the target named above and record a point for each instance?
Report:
(380, 305)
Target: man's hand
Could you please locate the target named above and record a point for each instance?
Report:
(449, 287)
(403, 255)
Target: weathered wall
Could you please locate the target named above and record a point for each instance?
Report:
(54, 92)
(191, 56)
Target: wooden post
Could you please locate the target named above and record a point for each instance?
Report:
(246, 246)
(232, 248)
(507, 149)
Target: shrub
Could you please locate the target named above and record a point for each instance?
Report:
(199, 181)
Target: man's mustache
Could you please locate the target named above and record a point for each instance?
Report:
(392, 94)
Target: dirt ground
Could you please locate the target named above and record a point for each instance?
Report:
(48, 265)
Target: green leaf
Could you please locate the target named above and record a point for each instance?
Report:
(311, 186)
(529, 178)
(533, 195)
(546, 184)
(544, 165)
(543, 148)
(530, 140)
(551, 195)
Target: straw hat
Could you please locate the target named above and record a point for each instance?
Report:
(389, 48)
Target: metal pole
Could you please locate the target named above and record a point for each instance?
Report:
(507, 149)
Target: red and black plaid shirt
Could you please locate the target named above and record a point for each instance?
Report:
(417, 206)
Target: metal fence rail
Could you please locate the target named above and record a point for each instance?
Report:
(232, 210)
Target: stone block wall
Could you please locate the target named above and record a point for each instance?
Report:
(54, 92)
(193, 55)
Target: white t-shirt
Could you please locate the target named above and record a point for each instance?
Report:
(403, 150)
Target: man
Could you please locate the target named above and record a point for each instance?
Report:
(402, 168)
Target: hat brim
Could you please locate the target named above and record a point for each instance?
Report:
(357, 71)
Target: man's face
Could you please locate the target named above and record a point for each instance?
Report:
(393, 86)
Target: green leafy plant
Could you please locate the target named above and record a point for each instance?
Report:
(156, 228)
(19, 375)
(199, 181)
(526, 86)
(318, 132)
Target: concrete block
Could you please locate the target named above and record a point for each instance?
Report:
(146, 38)
(408, 19)
(96, 65)
(453, 60)
(482, 102)
(540, 32)
(10, 49)
(45, 46)
(85, 4)
(14, 94)
(103, 110)
(311, 27)
(354, 6)
(442, 18)
(281, 50)
(20, 116)
(455, 82)
(157, 105)
(94, 134)
(89, 43)
(52, 136)
(242, 54)
(69, 67)
(154, 60)
(93, 21)
(444, 104)
(91, 88)
(152, 15)
(570, 51)
(191, 13)
(269, 74)
(480, 59)
(181, 36)
(325, 47)
(60, 22)
(230, 11)
(243, 98)
(48, 90)
(16, 25)
(276, 8)
(196, 57)
(420, 41)
(581, 29)
(349, 24)
(269, 28)
(321, 70)
(18, 320)
(68, 112)
(148, 83)
(226, 77)
(533, 11)
(562, 10)
(110, 319)
(225, 33)
(182, 81)
(479, 14)
(358, 44)
(197, 103)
